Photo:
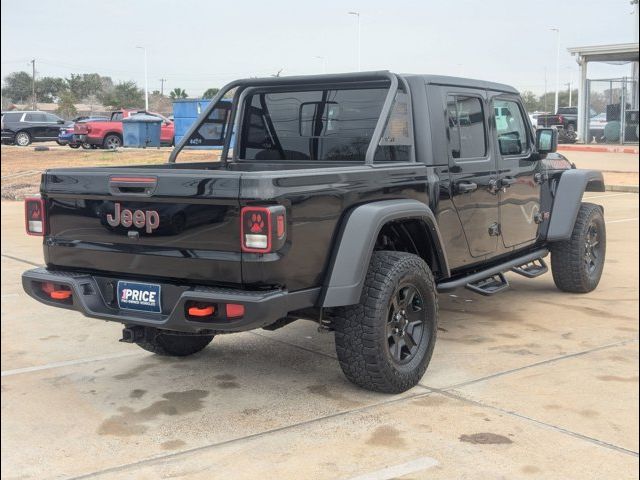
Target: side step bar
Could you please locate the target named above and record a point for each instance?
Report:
(532, 269)
(492, 279)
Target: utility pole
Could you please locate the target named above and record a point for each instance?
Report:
(569, 87)
(162, 80)
(557, 30)
(33, 85)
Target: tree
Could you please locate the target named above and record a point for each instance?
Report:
(530, 100)
(49, 89)
(17, 86)
(87, 84)
(124, 95)
(66, 108)
(159, 103)
(177, 93)
(210, 93)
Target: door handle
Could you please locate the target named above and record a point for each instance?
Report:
(507, 181)
(466, 187)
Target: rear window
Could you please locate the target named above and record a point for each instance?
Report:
(11, 117)
(328, 125)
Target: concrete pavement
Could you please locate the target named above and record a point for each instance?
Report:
(532, 383)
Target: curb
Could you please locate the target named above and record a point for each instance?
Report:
(599, 148)
(621, 188)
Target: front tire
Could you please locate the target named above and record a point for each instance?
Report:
(385, 342)
(172, 344)
(577, 263)
(22, 139)
(74, 145)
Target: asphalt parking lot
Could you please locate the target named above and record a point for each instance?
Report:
(533, 383)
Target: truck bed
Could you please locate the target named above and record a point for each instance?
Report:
(197, 240)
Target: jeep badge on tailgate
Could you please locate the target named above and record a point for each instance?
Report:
(138, 218)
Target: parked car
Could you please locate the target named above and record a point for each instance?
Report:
(109, 134)
(566, 117)
(534, 118)
(597, 125)
(66, 133)
(23, 127)
(349, 200)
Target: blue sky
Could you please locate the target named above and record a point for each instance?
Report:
(201, 44)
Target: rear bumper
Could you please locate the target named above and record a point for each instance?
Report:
(93, 296)
(83, 138)
(8, 136)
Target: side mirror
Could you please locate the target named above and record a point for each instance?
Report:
(546, 140)
(61, 122)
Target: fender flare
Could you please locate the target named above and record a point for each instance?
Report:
(355, 242)
(568, 197)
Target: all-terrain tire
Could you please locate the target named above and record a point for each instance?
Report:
(163, 342)
(577, 263)
(363, 343)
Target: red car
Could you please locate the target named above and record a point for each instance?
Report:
(109, 134)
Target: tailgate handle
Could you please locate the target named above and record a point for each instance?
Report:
(143, 186)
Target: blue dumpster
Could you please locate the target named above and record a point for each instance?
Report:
(141, 130)
(185, 113)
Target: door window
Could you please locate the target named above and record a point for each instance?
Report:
(513, 137)
(35, 117)
(467, 131)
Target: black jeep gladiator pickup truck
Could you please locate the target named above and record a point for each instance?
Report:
(350, 200)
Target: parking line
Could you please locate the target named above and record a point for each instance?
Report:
(540, 423)
(531, 365)
(611, 196)
(11, 257)
(48, 366)
(161, 458)
(400, 470)
(622, 220)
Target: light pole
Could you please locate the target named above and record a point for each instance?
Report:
(324, 62)
(570, 84)
(357, 14)
(557, 30)
(146, 81)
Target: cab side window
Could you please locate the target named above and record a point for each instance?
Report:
(513, 138)
(467, 132)
(35, 117)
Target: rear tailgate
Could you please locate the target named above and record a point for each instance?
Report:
(145, 222)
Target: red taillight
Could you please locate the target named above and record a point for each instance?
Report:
(262, 229)
(35, 217)
(560, 119)
(234, 310)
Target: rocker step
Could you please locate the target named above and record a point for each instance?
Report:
(532, 269)
(490, 285)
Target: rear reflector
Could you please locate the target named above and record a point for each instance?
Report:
(234, 310)
(56, 292)
(60, 294)
(34, 216)
(201, 311)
